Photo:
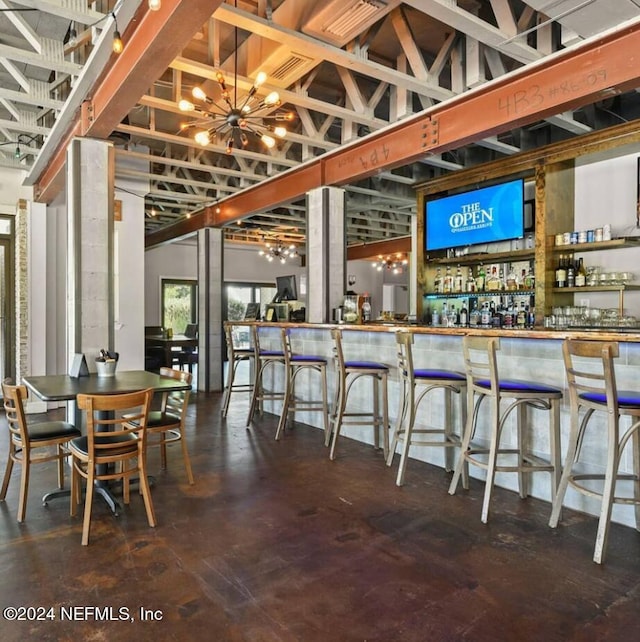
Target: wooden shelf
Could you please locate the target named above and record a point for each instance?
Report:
(613, 244)
(476, 295)
(599, 288)
(484, 257)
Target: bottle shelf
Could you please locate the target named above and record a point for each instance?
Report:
(486, 293)
(599, 288)
(484, 257)
(613, 244)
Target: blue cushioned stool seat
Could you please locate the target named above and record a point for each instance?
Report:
(420, 373)
(366, 365)
(518, 385)
(626, 398)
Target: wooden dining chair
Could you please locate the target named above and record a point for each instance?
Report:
(113, 448)
(28, 441)
(166, 425)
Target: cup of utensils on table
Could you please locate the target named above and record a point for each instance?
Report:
(106, 363)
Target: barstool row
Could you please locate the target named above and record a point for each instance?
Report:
(592, 387)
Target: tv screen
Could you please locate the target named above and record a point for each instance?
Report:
(286, 289)
(482, 215)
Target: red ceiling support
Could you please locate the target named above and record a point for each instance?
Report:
(149, 48)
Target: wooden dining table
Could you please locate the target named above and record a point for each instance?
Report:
(66, 388)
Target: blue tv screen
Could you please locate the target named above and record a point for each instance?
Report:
(482, 215)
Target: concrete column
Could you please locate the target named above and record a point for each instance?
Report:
(90, 290)
(210, 284)
(326, 252)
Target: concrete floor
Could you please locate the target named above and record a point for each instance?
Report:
(275, 542)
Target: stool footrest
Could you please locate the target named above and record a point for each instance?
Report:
(533, 463)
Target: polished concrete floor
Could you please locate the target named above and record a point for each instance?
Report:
(275, 542)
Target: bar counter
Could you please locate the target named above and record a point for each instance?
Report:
(534, 354)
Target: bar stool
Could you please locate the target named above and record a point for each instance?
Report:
(482, 379)
(449, 381)
(235, 356)
(592, 388)
(295, 364)
(347, 373)
(263, 359)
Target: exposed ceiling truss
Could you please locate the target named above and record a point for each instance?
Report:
(345, 67)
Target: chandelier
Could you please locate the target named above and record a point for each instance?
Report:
(234, 118)
(395, 262)
(278, 251)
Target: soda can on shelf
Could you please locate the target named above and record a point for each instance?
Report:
(590, 236)
(582, 237)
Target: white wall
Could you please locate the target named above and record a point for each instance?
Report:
(130, 285)
(242, 263)
(606, 192)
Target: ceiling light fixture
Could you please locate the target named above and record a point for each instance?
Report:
(278, 251)
(234, 118)
(395, 263)
(154, 5)
(22, 139)
(117, 45)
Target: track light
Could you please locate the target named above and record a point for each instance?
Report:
(154, 5)
(73, 37)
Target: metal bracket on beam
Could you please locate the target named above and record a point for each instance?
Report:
(430, 133)
(86, 117)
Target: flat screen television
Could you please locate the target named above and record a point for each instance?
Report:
(286, 289)
(484, 215)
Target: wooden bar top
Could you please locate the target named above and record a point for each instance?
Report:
(596, 334)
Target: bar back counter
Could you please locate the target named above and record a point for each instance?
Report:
(525, 354)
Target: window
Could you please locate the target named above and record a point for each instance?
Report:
(179, 303)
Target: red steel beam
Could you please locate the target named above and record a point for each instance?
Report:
(384, 248)
(579, 76)
(149, 49)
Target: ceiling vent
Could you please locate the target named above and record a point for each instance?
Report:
(353, 18)
(341, 21)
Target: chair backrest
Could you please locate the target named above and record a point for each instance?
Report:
(14, 409)
(338, 352)
(285, 334)
(590, 370)
(404, 355)
(480, 361)
(175, 402)
(153, 330)
(191, 331)
(107, 425)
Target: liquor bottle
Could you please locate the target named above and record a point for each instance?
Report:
(485, 315)
(470, 285)
(561, 273)
(571, 275)
(366, 309)
(474, 316)
(581, 274)
(507, 317)
(448, 281)
(521, 320)
(529, 280)
(458, 281)
(493, 280)
(480, 278)
(438, 285)
(435, 317)
(512, 280)
(464, 315)
(453, 317)
(503, 280)
(444, 317)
